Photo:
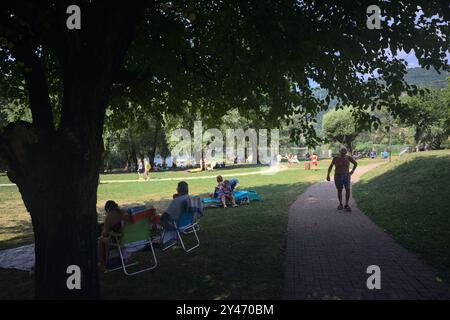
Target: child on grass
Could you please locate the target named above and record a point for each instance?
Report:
(219, 180)
(226, 192)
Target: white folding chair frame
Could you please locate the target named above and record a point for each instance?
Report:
(191, 228)
(125, 266)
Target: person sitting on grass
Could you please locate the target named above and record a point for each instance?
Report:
(226, 193)
(234, 183)
(113, 223)
(179, 205)
(219, 180)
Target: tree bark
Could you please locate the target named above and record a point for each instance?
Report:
(202, 162)
(127, 161)
(58, 184)
(134, 159)
(417, 135)
(152, 152)
(57, 171)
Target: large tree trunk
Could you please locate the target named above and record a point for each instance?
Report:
(202, 161)
(152, 152)
(56, 167)
(58, 181)
(151, 156)
(417, 136)
(72, 236)
(134, 159)
(127, 162)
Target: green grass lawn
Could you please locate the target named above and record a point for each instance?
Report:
(241, 253)
(169, 174)
(242, 249)
(4, 178)
(409, 198)
(181, 174)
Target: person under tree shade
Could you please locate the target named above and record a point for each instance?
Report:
(179, 205)
(113, 222)
(342, 176)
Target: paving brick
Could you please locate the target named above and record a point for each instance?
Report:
(328, 252)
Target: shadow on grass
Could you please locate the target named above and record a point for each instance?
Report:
(409, 199)
(241, 256)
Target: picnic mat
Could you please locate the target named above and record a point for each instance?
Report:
(21, 258)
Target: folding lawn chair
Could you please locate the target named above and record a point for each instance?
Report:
(135, 236)
(186, 224)
(198, 210)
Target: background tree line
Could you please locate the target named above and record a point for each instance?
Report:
(425, 122)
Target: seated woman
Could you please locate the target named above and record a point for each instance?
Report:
(179, 204)
(113, 223)
(226, 193)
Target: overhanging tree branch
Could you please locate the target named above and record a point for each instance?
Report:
(37, 86)
(106, 35)
(24, 51)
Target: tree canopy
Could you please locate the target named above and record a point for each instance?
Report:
(222, 55)
(258, 56)
(429, 115)
(340, 125)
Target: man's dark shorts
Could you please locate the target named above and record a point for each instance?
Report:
(342, 180)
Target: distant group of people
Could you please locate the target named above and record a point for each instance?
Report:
(372, 154)
(143, 169)
(313, 160)
(291, 158)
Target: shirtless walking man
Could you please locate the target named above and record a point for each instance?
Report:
(342, 176)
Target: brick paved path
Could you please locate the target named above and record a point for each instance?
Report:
(328, 252)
